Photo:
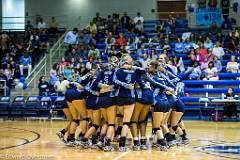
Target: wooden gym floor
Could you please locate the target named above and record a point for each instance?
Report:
(37, 140)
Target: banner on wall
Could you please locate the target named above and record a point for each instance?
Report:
(205, 16)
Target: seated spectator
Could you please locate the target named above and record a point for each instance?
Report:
(218, 51)
(92, 27)
(129, 45)
(43, 87)
(211, 73)
(97, 20)
(186, 35)
(110, 23)
(193, 72)
(61, 86)
(113, 52)
(171, 23)
(125, 20)
(67, 72)
(82, 52)
(232, 66)
(94, 52)
(121, 41)
(179, 46)
(44, 38)
(110, 40)
(8, 71)
(227, 24)
(204, 64)
(4, 38)
(187, 45)
(71, 37)
(130, 26)
(231, 47)
(62, 65)
(53, 26)
(209, 55)
(144, 60)
(230, 109)
(181, 22)
(54, 74)
(202, 51)
(90, 63)
(208, 43)
(28, 26)
(139, 27)
(74, 64)
(41, 24)
(25, 63)
(217, 64)
(72, 54)
(141, 50)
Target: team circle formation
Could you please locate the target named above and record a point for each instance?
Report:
(113, 98)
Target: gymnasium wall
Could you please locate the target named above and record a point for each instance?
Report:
(87, 8)
(1, 14)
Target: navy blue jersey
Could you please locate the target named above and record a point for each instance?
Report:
(106, 77)
(91, 88)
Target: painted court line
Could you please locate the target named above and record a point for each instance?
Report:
(121, 155)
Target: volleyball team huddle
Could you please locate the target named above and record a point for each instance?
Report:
(108, 101)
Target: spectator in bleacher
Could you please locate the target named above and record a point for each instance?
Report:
(12, 63)
(44, 39)
(53, 26)
(90, 63)
(144, 60)
(218, 38)
(129, 45)
(217, 63)
(204, 64)
(97, 20)
(62, 65)
(75, 63)
(92, 27)
(208, 43)
(94, 52)
(186, 35)
(25, 63)
(211, 73)
(187, 45)
(213, 30)
(130, 26)
(179, 46)
(226, 24)
(110, 40)
(193, 71)
(41, 24)
(139, 27)
(113, 52)
(71, 37)
(202, 51)
(90, 39)
(121, 41)
(231, 47)
(4, 38)
(67, 72)
(218, 50)
(196, 56)
(116, 23)
(61, 86)
(178, 62)
(82, 52)
(138, 18)
(180, 22)
(171, 23)
(54, 74)
(28, 26)
(4, 78)
(232, 66)
(110, 23)
(43, 86)
(72, 54)
(125, 20)
(8, 71)
(141, 50)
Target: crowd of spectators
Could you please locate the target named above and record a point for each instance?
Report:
(117, 35)
(20, 51)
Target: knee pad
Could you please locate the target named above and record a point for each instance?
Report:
(133, 122)
(175, 128)
(140, 122)
(179, 106)
(86, 119)
(76, 121)
(127, 123)
(120, 115)
(113, 125)
(90, 124)
(95, 126)
(155, 130)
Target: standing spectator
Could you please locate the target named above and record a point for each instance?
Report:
(71, 37)
(43, 87)
(41, 24)
(232, 48)
(130, 26)
(53, 74)
(171, 23)
(138, 18)
(232, 66)
(28, 26)
(230, 109)
(110, 23)
(4, 40)
(97, 20)
(25, 63)
(218, 51)
(62, 65)
(4, 78)
(92, 27)
(125, 20)
(178, 62)
(53, 27)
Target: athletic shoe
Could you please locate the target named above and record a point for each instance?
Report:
(171, 143)
(144, 147)
(61, 137)
(70, 143)
(108, 148)
(123, 149)
(136, 148)
(161, 147)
